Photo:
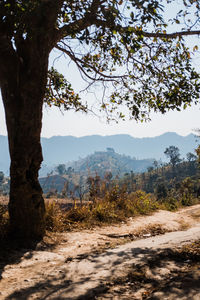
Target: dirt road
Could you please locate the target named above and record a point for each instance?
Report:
(86, 264)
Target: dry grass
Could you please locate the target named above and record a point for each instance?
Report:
(150, 230)
(4, 221)
(114, 207)
(196, 215)
(183, 225)
(4, 200)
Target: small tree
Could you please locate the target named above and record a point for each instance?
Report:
(191, 157)
(155, 164)
(61, 169)
(161, 191)
(81, 189)
(173, 154)
(94, 187)
(1, 177)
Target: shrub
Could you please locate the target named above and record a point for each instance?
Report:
(143, 203)
(78, 214)
(55, 217)
(104, 211)
(171, 203)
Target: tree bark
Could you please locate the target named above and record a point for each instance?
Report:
(23, 93)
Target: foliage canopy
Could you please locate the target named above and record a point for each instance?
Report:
(127, 46)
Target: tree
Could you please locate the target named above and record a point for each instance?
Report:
(1, 177)
(81, 189)
(61, 169)
(191, 157)
(161, 191)
(121, 44)
(155, 164)
(173, 154)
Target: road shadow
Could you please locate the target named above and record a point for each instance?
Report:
(13, 250)
(159, 272)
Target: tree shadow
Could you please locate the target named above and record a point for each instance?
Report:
(12, 250)
(178, 282)
(55, 288)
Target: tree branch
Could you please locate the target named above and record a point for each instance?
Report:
(169, 35)
(79, 25)
(82, 24)
(79, 62)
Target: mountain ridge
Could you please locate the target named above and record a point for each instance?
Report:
(63, 149)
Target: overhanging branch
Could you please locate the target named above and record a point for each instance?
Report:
(77, 26)
(169, 35)
(79, 63)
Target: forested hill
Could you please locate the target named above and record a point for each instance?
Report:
(101, 162)
(62, 149)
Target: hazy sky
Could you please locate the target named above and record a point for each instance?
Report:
(55, 123)
(77, 124)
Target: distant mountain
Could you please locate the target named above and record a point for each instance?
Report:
(62, 149)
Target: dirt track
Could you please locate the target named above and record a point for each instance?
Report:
(83, 264)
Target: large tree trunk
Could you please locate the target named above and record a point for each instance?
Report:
(23, 94)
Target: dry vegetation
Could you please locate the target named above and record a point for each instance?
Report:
(116, 206)
(4, 218)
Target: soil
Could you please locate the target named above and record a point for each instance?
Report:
(143, 258)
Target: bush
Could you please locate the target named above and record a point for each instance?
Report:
(55, 218)
(143, 203)
(104, 211)
(78, 214)
(171, 203)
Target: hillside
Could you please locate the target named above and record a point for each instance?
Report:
(63, 149)
(101, 162)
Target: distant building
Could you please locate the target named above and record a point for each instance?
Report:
(110, 150)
